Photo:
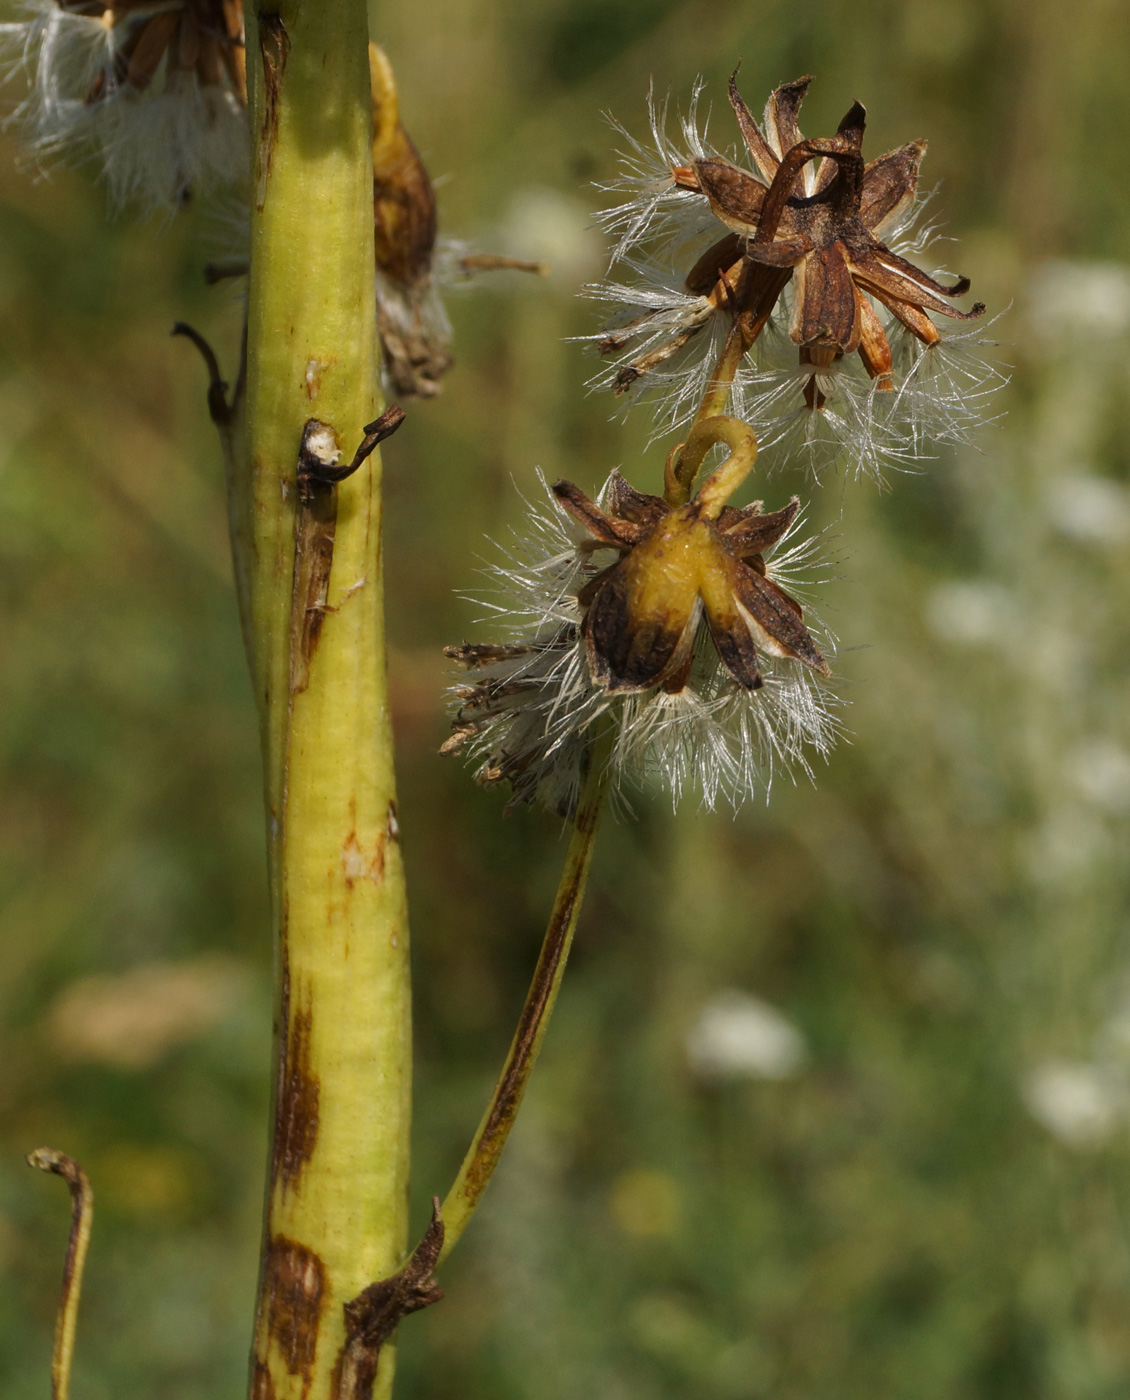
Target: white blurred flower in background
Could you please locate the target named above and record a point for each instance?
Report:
(738, 1036)
(1078, 1102)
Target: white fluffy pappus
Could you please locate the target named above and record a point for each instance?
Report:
(653, 209)
(529, 710)
(155, 145)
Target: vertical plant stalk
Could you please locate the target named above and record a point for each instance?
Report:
(82, 1214)
(484, 1152)
(335, 1215)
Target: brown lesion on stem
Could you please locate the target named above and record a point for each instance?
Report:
(47, 1159)
(298, 1093)
(274, 49)
(315, 523)
(295, 1286)
(374, 1315)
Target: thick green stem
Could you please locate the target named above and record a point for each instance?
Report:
(484, 1152)
(336, 1206)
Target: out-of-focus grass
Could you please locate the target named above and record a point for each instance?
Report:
(932, 1202)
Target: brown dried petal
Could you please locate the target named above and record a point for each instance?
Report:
(826, 311)
(874, 347)
(150, 48)
(617, 534)
(756, 533)
(889, 185)
(912, 317)
(890, 285)
(721, 259)
(756, 143)
(779, 617)
(624, 500)
(735, 196)
(852, 126)
(781, 114)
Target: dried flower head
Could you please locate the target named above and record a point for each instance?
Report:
(411, 264)
(414, 329)
(155, 91)
(663, 618)
(807, 238)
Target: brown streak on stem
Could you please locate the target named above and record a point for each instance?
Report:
(315, 523)
(274, 47)
(295, 1286)
(298, 1094)
(262, 1386)
(508, 1096)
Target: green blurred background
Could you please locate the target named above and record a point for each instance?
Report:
(837, 1099)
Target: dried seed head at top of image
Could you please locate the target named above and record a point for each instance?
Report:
(790, 291)
(412, 263)
(667, 621)
(155, 93)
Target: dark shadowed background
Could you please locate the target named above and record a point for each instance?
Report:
(837, 1099)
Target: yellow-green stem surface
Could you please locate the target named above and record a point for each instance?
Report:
(336, 1208)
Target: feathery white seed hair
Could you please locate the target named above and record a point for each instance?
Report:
(153, 146)
(531, 715)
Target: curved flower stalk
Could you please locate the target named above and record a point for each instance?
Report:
(785, 305)
(664, 620)
(156, 93)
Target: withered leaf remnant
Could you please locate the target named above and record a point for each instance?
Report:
(315, 523)
(679, 562)
(374, 1315)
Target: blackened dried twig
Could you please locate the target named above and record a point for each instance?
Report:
(221, 411)
(47, 1159)
(374, 1315)
(491, 262)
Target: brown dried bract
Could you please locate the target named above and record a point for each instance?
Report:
(203, 37)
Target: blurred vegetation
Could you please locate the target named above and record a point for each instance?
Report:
(931, 1201)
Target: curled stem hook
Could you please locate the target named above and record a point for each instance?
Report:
(82, 1213)
(685, 462)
